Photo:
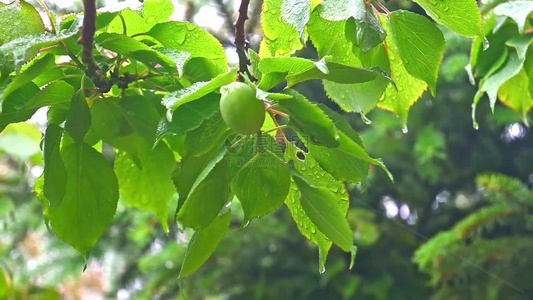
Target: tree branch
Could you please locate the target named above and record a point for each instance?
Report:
(86, 39)
(240, 40)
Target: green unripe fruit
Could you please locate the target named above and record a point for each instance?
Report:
(240, 109)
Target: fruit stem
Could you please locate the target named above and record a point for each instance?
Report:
(275, 128)
(277, 112)
(285, 140)
(241, 43)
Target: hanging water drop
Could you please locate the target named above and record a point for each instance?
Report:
(404, 128)
(486, 44)
(366, 120)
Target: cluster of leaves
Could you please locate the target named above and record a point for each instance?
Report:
(506, 66)
(160, 116)
(478, 244)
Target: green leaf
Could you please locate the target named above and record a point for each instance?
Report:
(17, 107)
(320, 205)
(132, 48)
(312, 171)
(148, 188)
(348, 162)
(329, 38)
(203, 243)
(281, 37)
(188, 116)
(521, 44)
(16, 23)
(107, 117)
(339, 10)
(188, 37)
(55, 173)
(296, 13)
(119, 117)
(57, 94)
(309, 119)
(79, 117)
(12, 111)
(19, 21)
(486, 62)
(461, 16)
(492, 84)
(255, 60)
(156, 11)
(141, 114)
(261, 185)
(307, 227)
(192, 168)
(23, 46)
(517, 10)
(206, 198)
(361, 97)
(180, 58)
(210, 134)
(366, 33)
(135, 24)
(410, 89)
(198, 90)
(271, 80)
(420, 45)
(341, 124)
(34, 69)
(339, 73)
(90, 200)
(49, 76)
(516, 93)
(201, 69)
(300, 69)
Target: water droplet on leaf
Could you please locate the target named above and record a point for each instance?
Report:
(404, 128)
(366, 120)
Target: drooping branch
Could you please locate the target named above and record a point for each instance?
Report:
(87, 41)
(240, 40)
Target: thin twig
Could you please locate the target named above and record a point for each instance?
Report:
(73, 56)
(385, 9)
(240, 40)
(48, 14)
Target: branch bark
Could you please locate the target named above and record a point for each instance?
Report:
(86, 39)
(240, 40)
